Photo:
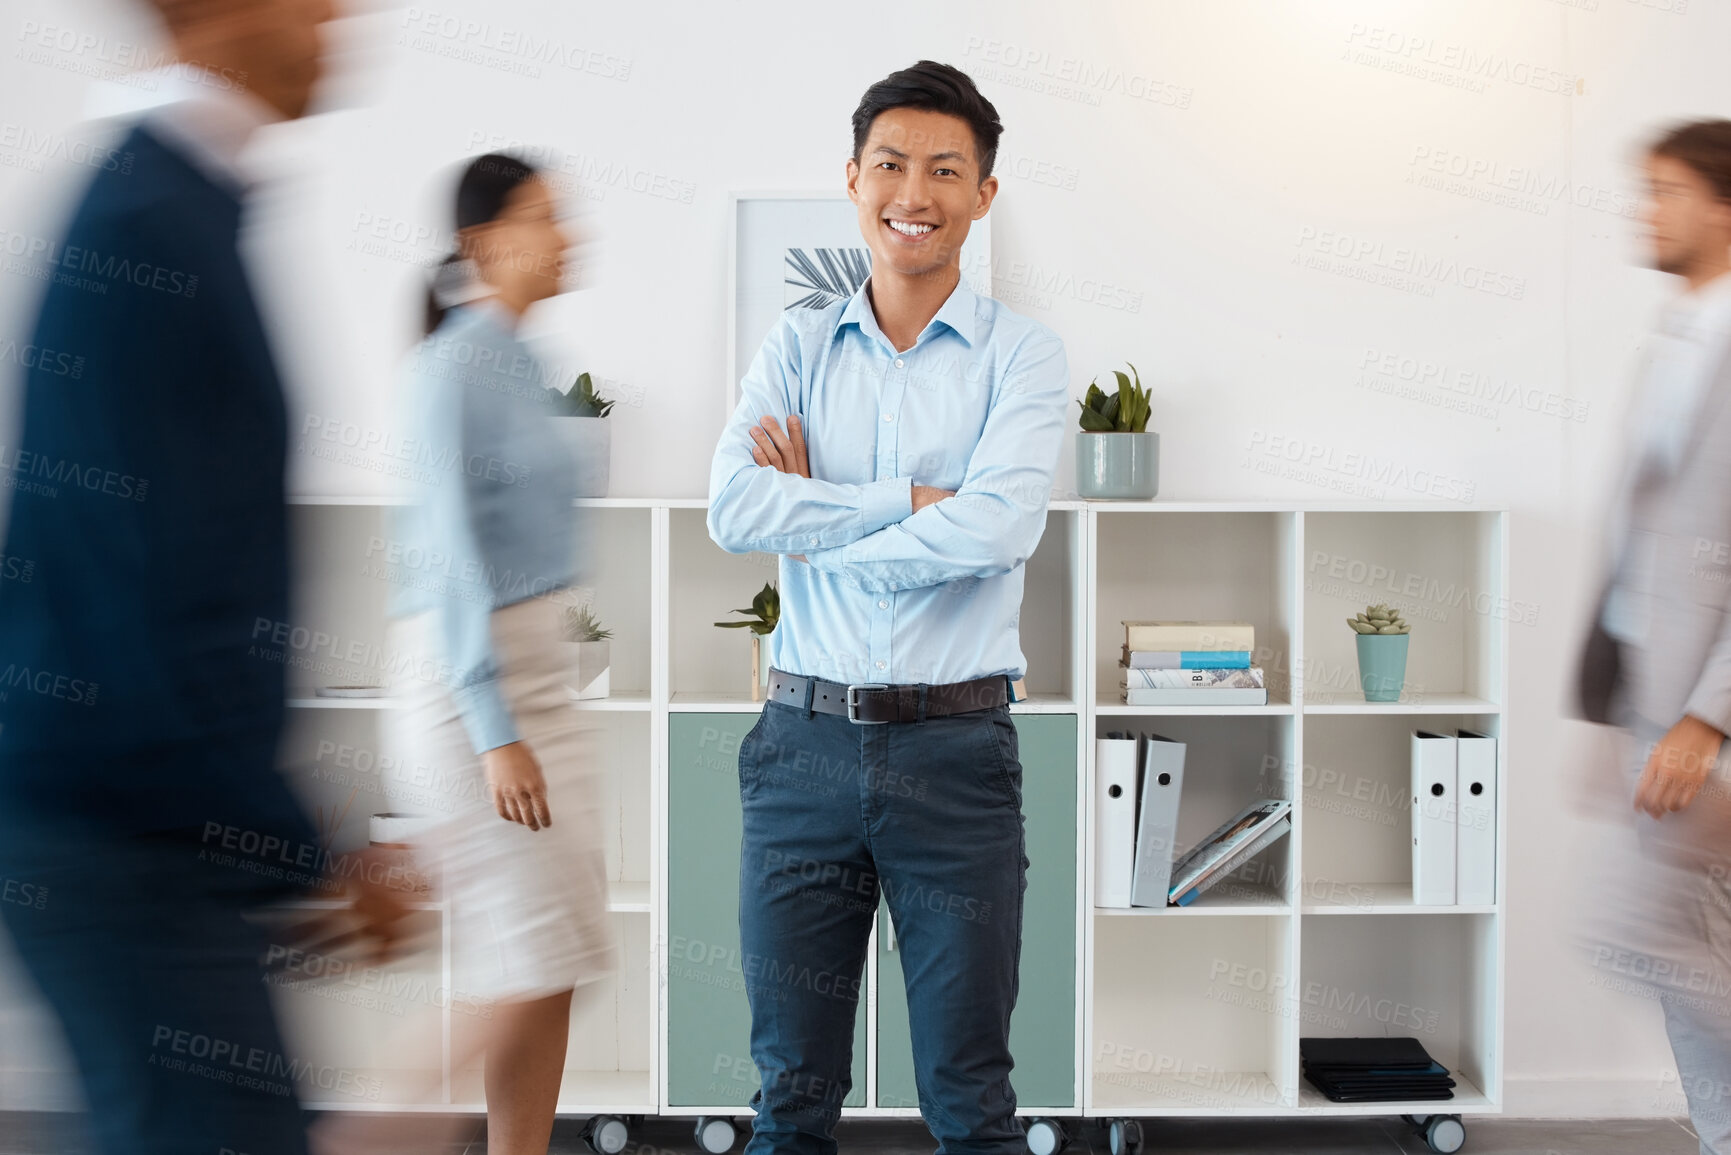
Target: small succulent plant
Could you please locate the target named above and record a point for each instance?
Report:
(1379, 620)
(581, 400)
(582, 626)
(1125, 411)
(765, 611)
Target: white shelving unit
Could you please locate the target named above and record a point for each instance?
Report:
(1199, 1010)
(1183, 1011)
(334, 756)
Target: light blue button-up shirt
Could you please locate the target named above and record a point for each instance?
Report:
(978, 405)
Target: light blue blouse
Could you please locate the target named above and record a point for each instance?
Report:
(490, 521)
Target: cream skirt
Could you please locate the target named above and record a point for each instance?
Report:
(528, 908)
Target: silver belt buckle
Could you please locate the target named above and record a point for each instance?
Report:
(853, 702)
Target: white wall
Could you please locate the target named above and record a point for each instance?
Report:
(1192, 156)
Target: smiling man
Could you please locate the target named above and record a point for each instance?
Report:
(897, 449)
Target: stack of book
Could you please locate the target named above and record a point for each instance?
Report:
(1374, 1070)
(1189, 664)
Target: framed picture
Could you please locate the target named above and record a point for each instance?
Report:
(804, 251)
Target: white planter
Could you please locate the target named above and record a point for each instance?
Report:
(759, 667)
(393, 840)
(590, 440)
(590, 662)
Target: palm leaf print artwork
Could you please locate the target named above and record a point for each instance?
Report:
(818, 278)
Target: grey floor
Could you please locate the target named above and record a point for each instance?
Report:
(44, 1134)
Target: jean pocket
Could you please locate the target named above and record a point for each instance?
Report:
(1000, 753)
(748, 749)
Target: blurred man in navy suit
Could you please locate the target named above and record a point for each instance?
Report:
(142, 665)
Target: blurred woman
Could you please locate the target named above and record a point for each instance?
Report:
(489, 551)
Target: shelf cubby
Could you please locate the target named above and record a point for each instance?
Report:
(1227, 763)
(1443, 570)
(1188, 1016)
(1430, 976)
(1230, 565)
(1356, 804)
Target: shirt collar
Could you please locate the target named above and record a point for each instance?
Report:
(488, 306)
(209, 120)
(957, 313)
(1703, 314)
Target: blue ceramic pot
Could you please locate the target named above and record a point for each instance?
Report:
(1382, 666)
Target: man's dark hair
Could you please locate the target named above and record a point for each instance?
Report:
(938, 88)
(1705, 146)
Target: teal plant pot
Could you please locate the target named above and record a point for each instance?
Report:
(1118, 466)
(1382, 665)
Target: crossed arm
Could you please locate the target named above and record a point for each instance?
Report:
(785, 453)
(890, 534)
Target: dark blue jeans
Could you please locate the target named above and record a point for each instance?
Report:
(927, 814)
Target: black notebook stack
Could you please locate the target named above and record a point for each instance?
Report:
(1373, 1070)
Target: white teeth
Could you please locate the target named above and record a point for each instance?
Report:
(910, 229)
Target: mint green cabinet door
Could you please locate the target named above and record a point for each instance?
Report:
(708, 1020)
(1043, 1027)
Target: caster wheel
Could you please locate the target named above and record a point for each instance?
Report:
(715, 1134)
(606, 1134)
(1046, 1137)
(1445, 1133)
(1124, 1137)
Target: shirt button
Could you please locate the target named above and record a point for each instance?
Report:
(887, 417)
(898, 362)
(880, 665)
(883, 605)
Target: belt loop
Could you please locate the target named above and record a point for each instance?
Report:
(810, 686)
(922, 701)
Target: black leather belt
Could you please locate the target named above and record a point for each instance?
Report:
(875, 702)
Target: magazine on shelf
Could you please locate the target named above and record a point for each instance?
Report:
(1234, 841)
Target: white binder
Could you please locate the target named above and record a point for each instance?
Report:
(1476, 826)
(1433, 819)
(1162, 781)
(1114, 818)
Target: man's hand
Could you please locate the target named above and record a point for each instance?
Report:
(924, 495)
(1677, 767)
(380, 908)
(783, 451)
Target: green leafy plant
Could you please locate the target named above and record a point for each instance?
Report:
(1125, 411)
(581, 400)
(582, 626)
(765, 611)
(1379, 620)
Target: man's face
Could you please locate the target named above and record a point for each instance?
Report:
(1684, 218)
(918, 188)
(276, 43)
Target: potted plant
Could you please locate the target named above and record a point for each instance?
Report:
(1382, 638)
(578, 414)
(593, 660)
(1116, 456)
(765, 611)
